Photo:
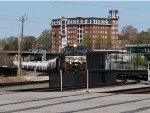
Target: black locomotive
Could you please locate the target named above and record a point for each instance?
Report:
(73, 59)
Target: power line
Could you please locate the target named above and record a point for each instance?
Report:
(47, 22)
(9, 16)
(38, 21)
(77, 3)
(9, 19)
(4, 19)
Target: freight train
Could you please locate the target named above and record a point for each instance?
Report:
(73, 59)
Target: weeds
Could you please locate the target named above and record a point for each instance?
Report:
(11, 79)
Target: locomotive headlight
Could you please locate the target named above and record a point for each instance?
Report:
(74, 45)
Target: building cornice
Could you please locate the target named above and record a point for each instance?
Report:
(83, 21)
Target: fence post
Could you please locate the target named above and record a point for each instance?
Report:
(148, 71)
(87, 90)
(60, 79)
(35, 69)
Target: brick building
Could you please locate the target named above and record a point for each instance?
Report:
(66, 31)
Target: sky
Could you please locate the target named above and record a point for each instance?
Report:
(40, 13)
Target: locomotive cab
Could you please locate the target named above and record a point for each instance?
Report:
(74, 59)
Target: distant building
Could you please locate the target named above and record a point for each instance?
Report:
(138, 48)
(69, 31)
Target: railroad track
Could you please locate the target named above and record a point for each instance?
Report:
(41, 86)
(140, 90)
(16, 86)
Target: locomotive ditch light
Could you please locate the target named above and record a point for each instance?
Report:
(74, 45)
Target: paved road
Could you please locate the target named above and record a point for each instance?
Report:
(78, 101)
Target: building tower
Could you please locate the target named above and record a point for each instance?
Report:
(114, 16)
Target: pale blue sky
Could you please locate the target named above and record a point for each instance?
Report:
(136, 13)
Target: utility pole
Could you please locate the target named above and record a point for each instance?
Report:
(22, 19)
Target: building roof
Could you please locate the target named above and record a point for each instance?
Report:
(138, 45)
(82, 20)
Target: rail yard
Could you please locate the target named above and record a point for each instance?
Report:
(79, 81)
(98, 99)
(63, 57)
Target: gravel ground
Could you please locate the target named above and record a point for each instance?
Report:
(23, 87)
(29, 76)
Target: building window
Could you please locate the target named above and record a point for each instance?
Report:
(113, 37)
(63, 26)
(113, 32)
(113, 27)
(63, 31)
(79, 36)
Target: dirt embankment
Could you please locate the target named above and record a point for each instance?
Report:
(12, 79)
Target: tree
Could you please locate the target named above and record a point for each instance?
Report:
(103, 43)
(148, 30)
(98, 43)
(109, 43)
(143, 38)
(88, 41)
(27, 42)
(15, 44)
(44, 39)
(139, 60)
(2, 44)
(10, 44)
(130, 33)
